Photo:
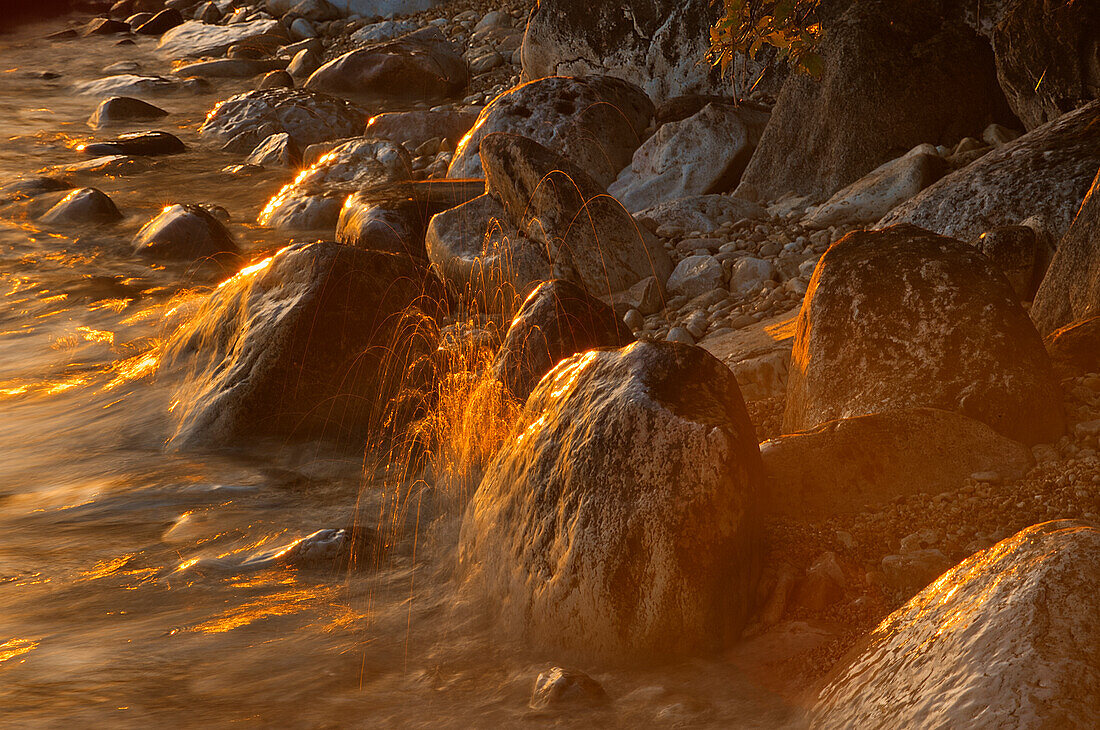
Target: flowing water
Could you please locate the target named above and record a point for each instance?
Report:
(133, 586)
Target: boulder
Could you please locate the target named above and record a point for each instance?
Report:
(704, 153)
(421, 66)
(304, 63)
(1045, 173)
(196, 39)
(596, 122)
(123, 109)
(659, 45)
(160, 23)
(695, 275)
(1007, 638)
(393, 227)
(302, 344)
(301, 213)
(850, 464)
(83, 205)
(187, 232)
(307, 116)
(128, 85)
(276, 80)
(748, 274)
(136, 143)
(277, 150)
(881, 190)
(558, 319)
(1071, 288)
(569, 215)
(904, 318)
(104, 26)
(703, 213)
(414, 128)
(1021, 253)
(621, 521)
(1075, 348)
(894, 77)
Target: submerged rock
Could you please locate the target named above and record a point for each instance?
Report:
(187, 232)
(557, 320)
(120, 109)
(136, 143)
(903, 318)
(621, 520)
(308, 117)
(85, 205)
(595, 122)
(1007, 638)
(314, 341)
(26, 188)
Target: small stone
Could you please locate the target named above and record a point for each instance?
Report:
(986, 477)
(680, 334)
(634, 320)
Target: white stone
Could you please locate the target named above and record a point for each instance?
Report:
(703, 213)
(195, 38)
(748, 274)
(695, 275)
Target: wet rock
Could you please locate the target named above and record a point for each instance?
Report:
(1075, 348)
(302, 213)
(1021, 253)
(420, 66)
(1045, 173)
(844, 466)
(702, 213)
(137, 143)
(704, 153)
(557, 320)
(901, 318)
(414, 128)
(695, 275)
(277, 150)
(230, 68)
(881, 190)
(377, 226)
(748, 274)
(566, 213)
(276, 80)
(84, 205)
(307, 116)
(104, 26)
(120, 109)
(26, 188)
(128, 85)
(1071, 288)
(160, 23)
(209, 13)
(558, 687)
(115, 165)
(656, 45)
(299, 345)
(138, 19)
(304, 63)
(595, 122)
(826, 134)
(186, 232)
(582, 545)
(196, 39)
(1036, 628)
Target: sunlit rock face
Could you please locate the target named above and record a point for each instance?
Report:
(1008, 638)
(1071, 288)
(394, 227)
(184, 232)
(123, 109)
(901, 318)
(845, 465)
(312, 342)
(1046, 173)
(195, 39)
(85, 205)
(595, 122)
(657, 45)
(558, 320)
(894, 77)
(561, 208)
(308, 117)
(620, 520)
(421, 66)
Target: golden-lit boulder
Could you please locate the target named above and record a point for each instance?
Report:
(1007, 638)
(85, 205)
(620, 520)
(313, 342)
(307, 116)
(904, 318)
(184, 232)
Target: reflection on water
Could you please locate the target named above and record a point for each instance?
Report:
(139, 586)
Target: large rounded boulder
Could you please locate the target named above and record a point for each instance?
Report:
(1007, 638)
(904, 318)
(84, 205)
(184, 232)
(307, 116)
(314, 341)
(620, 521)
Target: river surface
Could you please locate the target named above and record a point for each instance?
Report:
(125, 600)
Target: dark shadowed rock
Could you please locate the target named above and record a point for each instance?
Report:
(1045, 173)
(311, 342)
(596, 122)
(621, 520)
(895, 76)
(136, 143)
(121, 109)
(1021, 253)
(277, 150)
(160, 23)
(903, 318)
(186, 232)
(85, 205)
(1075, 348)
(395, 227)
(420, 66)
(1071, 288)
(307, 116)
(26, 188)
(276, 80)
(1007, 638)
(104, 26)
(845, 465)
(557, 320)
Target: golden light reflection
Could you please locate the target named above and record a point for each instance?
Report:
(281, 604)
(16, 648)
